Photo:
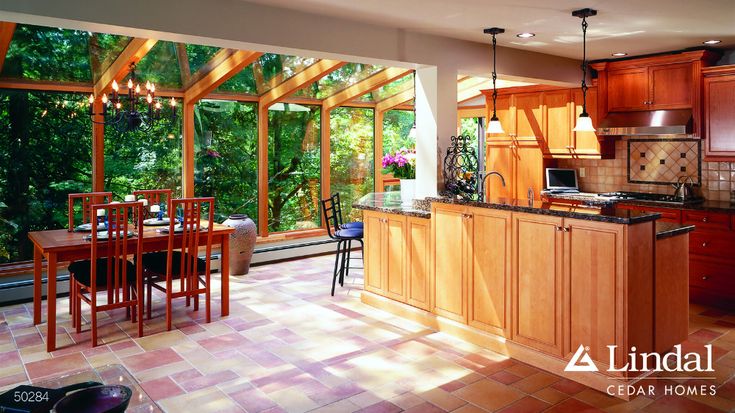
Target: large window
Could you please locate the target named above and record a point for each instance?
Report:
(226, 156)
(397, 126)
(351, 160)
(293, 167)
(45, 154)
(143, 159)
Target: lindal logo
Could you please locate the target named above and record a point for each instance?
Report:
(673, 361)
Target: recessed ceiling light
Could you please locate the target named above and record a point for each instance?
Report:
(712, 41)
(525, 35)
(620, 54)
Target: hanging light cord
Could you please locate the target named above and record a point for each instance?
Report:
(584, 66)
(495, 76)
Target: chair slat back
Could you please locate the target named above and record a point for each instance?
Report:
(154, 197)
(332, 218)
(88, 199)
(190, 211)
(121, 243)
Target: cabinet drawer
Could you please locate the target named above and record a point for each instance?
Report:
(711, 243)
(667, 214)
(712, 276)
(707, 220)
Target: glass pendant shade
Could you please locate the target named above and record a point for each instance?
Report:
(494, 126)
(584, 124)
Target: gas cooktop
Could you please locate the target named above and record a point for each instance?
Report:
(645, 197)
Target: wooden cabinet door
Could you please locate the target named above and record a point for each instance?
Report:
(449, 287)
(374, 247)
(528, 170)
(670, 86)
(528, 116)
(489, 271)
(557, 111)
(586, 143)
(500, 158)
(627, 89)
(506, 117)
(593, 263)
(719, 115)
(418, 261)
(394, 264)
(537, 278)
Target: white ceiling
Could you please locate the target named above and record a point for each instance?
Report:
(632, 26)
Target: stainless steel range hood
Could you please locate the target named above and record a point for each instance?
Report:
(654, 122)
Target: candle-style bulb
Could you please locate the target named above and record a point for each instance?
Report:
(153, 88)
(118, 105)
(147, 85)
(158, 105)
(149, 98)
(115, 87)
(91, 99)
(104, 98)
(173, 102)
(130, 83)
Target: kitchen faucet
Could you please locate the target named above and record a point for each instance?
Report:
(481, 194)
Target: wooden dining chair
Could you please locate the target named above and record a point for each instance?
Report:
(154, 197)
(109, 270)
(88, 199)
(179, 272)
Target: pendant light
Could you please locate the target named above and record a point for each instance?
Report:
(494, 126)
(584, 122)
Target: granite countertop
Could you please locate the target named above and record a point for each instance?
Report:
(707, 205)
(670, 229)
(564, 210)
(391, 202)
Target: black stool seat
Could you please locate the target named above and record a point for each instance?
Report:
(82, 269)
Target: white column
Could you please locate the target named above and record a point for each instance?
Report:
(436, 122)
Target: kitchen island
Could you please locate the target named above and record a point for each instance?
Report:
(532, 280)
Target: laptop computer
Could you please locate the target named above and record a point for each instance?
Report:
(560, 180)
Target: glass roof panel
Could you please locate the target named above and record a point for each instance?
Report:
(46, 53)
(265, 73)
(393, 88)
(199, 55)
(243, 82)
(341, 78)
(104, 49)
(160, 66)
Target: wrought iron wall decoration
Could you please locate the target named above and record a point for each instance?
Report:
(461, 167)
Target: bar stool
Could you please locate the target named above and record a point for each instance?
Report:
(343, 236)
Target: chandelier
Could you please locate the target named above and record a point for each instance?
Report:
(131, 110)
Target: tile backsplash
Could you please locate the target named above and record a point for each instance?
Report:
(663, 161)
(608, 175)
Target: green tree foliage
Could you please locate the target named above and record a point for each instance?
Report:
(351, 160)
(294, 169)
(396, 126)
(226, 156)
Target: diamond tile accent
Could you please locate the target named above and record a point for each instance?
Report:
(663, 161)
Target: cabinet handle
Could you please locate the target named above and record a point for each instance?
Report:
(566, 229)
(705, 278)
(704, 219)
(570, 147)
(558, 228)
(704, 244)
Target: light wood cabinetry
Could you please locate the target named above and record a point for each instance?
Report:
(397, 251)
(557, 108)
(537, 282)
(521, 164)
(451, 246)
(719, 113)
(627, 89)
(528, 117)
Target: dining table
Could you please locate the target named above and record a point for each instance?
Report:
(61, 245)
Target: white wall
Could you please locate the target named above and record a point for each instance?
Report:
(242, 25)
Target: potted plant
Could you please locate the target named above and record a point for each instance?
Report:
(402, 165)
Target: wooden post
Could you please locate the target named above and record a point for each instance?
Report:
(263, 170)
(98, 149)
(326, 135)
(378, 149)
(187, 151)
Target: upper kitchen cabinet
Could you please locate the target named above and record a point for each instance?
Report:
(719, 113)
(653, 83)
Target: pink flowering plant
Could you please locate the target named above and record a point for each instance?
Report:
(402, 164)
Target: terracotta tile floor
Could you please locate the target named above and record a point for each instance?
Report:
(289, 346)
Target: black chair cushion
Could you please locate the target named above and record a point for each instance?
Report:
(349, 233)
(156, 263)
(352, 225)
(82, 269)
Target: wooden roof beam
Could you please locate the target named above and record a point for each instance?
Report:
(133, 52)
(358, 89)
(217, 71)
(6, 35)
(300, 80)
(394, 101)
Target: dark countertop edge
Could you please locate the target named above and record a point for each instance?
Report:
(669, 229)
(636, 219)
(395, 210)
(713, 206)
